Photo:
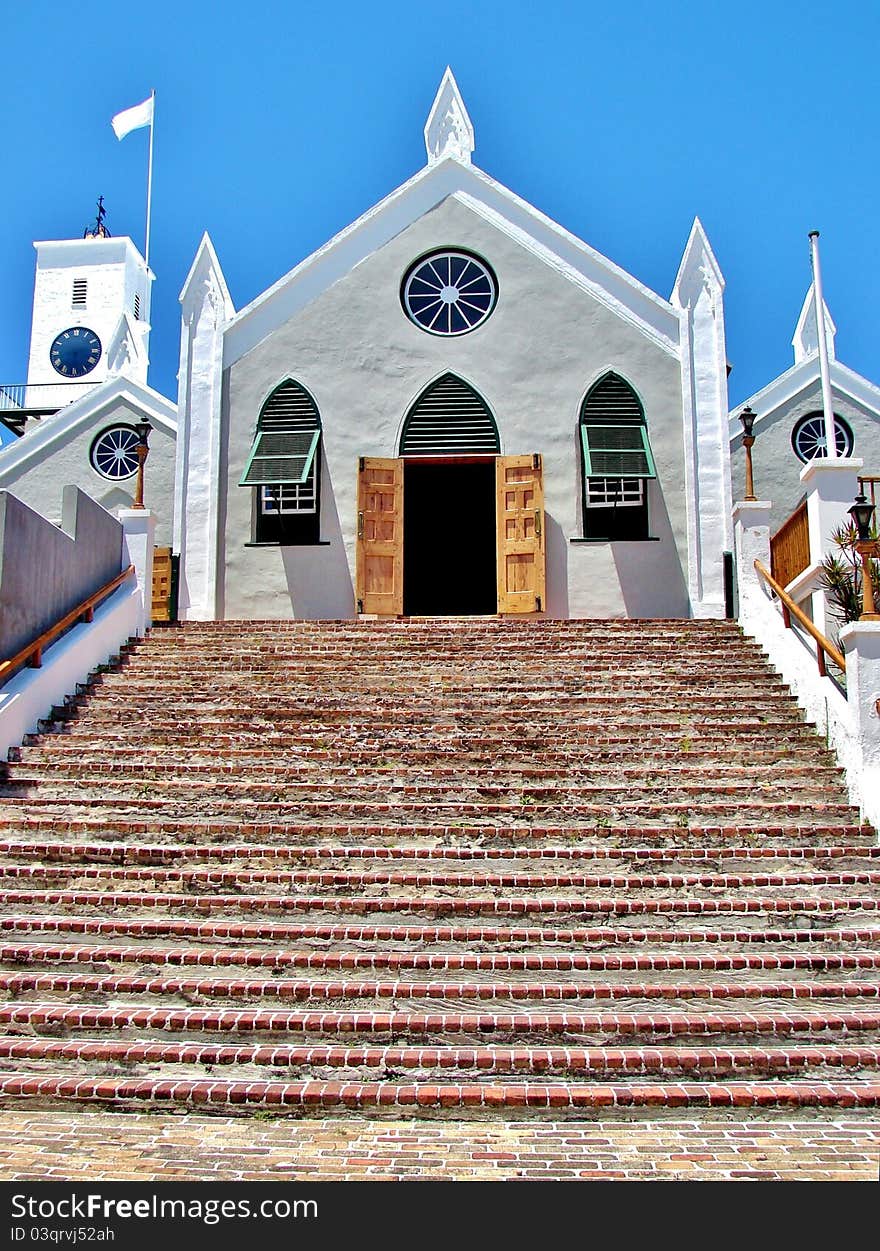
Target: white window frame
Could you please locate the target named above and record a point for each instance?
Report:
(288, 498)
(615, 492)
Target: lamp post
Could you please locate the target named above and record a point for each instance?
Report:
(143, 429)
(747, 417)
(861, 512)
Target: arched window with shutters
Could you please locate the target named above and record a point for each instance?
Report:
(617, 461)
(449, 418)
(284, 467)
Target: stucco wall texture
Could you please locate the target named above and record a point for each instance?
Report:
(533, 360)
(38, 483)
(777, 468)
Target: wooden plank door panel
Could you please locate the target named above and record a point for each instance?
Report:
(519, 492)
(380, 536)
(161, 590)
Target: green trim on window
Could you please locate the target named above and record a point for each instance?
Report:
(618, 451)
(280, 457)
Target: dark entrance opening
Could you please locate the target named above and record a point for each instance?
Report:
(449, 538)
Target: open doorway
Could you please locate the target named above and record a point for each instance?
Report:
(449, 538)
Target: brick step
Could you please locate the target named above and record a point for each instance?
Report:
(518, 937)
(355, 879)
(600, 833)
(473, 963)
(342, 745)
(506, 996)
(741, 907)
(454, 1098)
(636, 814)
(55, 751)
(838, 858)
(440, 796)
(472, 1062)
(302, 773)
(388, 709)
(595, 1028)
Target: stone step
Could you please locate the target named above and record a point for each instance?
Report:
(475, 964)
(473, 1063)
(453, 1098)
(602, 832)
(308, 773)
(436, 795)
(774, 860)
(369, 993)
(519, 938)
(678, 812)
(753, 908)
(358, 879)
(593, 1028)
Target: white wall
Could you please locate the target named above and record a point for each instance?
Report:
(532, 361)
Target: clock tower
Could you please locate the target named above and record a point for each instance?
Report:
(91, 312)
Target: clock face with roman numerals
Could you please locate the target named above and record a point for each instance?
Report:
(75, 352)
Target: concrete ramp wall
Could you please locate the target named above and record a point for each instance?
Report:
(46, 570)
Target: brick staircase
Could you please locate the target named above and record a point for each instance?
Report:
(436, 865)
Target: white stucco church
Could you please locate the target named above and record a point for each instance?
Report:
(454, 407)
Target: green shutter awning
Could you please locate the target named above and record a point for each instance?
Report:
(619, 451)
(280, 457)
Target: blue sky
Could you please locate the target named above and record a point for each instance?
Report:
(278, 123)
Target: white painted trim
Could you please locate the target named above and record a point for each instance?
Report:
(205, 252)
(67, 422)
(29, 696)
(413, 200)
(795, 381)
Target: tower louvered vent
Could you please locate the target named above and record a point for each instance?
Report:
(80, 290)
(449, 418)
(137, 306)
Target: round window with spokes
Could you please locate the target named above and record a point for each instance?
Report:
(449, 292)
(808, 437)
(114, 453)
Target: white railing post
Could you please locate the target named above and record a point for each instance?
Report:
(831, 487)
(139, 531)
(751, 529)
(861, 645)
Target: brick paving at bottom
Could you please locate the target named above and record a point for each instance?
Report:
(100, 1146)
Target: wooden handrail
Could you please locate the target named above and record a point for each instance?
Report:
(789, 609)
(33, 653)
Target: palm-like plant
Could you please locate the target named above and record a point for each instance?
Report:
(841, 575)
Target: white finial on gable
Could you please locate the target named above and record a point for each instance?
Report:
(806, 340)
(448, 130)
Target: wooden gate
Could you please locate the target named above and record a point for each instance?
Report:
(380, 536)
(519, 491)
(162, 585)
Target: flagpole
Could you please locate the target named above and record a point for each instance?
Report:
(824, 372)
(150, 179)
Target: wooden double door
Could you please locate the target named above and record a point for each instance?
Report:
(450, 537)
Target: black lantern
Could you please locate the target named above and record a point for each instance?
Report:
(747, 417)
(143, 429)
(861, 512)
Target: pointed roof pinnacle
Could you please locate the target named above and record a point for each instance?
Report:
(805, 340)
(448, 130)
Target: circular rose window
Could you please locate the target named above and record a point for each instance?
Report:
(449, 292)
(808, 437)
(114, 453)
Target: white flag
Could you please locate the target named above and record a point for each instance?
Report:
(133, 119)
